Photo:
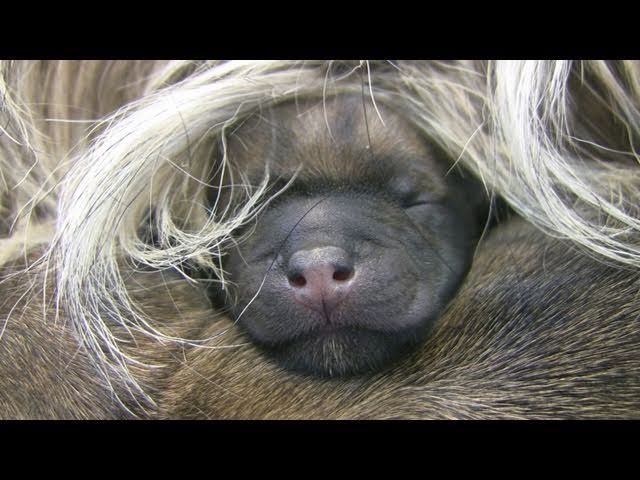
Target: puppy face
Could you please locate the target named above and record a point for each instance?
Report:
(351, 266)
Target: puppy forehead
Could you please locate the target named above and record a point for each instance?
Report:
(341, 136)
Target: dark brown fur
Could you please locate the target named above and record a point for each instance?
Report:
(538, 330)
(372, 201)
(45, 373)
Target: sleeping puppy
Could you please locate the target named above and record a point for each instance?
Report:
(350, 266)
(538, 330)
(287, 239)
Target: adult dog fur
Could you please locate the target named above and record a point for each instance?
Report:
(553, 139)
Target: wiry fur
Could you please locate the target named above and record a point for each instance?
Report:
(91, 153)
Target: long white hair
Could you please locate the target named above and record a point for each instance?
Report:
(90, 152)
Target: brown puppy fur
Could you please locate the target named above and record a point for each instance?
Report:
(538, 330)
(350, 266)
(45, 372)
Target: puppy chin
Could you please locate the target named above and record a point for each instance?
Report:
(343, 351)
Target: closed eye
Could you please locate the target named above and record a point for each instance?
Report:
(417, 203)
(418, 200)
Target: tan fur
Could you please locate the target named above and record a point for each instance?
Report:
(537, 331)
(45, 372)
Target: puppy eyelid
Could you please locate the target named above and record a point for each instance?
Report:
(417, 199)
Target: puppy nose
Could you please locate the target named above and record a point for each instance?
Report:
(320, 278)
